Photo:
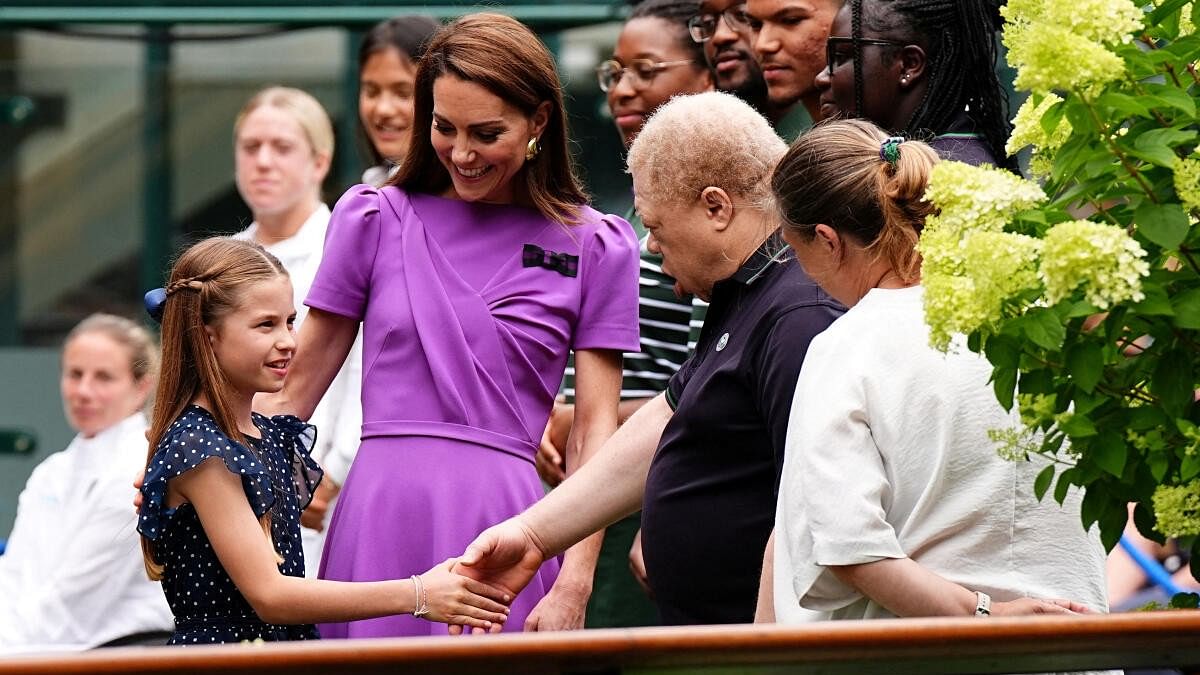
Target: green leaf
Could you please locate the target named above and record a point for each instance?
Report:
(1112, 524)
(1164, 224)
(1044, 329)
(1095, 499)
(1042, 482)
(1187, 309)
(1166, 137)
(1122, 103)
(1109, 452)
(1078, 426)
(1052, 118)
(1143, 520)
(1004, 382)
(1172, 382)
(1163, 10)
(1190, 467)
(1156, 302)
(1185, 601)
(1063, 486)
(1158, 466)
(1003, 351)
(1085, 362)
(1180, 100)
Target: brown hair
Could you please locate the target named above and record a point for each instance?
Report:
(835, 175)
(502, 55)
(205, 285)
(143, 351)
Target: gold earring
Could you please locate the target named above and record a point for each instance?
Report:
(532, 149)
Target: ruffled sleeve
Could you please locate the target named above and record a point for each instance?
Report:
(608, 316)
(299, 438)
(192, 439)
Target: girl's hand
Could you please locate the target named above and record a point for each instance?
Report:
(455, 599)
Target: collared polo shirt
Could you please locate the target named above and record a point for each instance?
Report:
(710, 494)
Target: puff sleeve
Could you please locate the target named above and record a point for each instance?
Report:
(608, 314)
(343, 280)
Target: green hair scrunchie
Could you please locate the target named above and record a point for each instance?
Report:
(889, 150)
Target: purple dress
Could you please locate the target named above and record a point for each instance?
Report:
(468, 313)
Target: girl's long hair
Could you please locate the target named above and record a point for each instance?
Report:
(205, 285)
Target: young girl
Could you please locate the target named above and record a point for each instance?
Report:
(224, 535)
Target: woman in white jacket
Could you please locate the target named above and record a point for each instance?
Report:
(72, 576)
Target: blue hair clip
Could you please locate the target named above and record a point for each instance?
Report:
(155, 299)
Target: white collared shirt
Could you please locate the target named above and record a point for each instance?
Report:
(73, 577)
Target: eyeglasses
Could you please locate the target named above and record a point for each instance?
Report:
(643, 71)
(835, 58)
(703, 27)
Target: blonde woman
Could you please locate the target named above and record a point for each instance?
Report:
(72, 576)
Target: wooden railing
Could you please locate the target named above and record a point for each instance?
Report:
(1037, 644)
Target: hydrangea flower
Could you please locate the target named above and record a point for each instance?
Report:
(996, 266)
(1177, 509)
(1049, 57)
(1103, 259)
(1060, 44)
(1187, 183)
(1028, 131)
(977, 198)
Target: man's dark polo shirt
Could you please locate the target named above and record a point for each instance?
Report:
(710, 494)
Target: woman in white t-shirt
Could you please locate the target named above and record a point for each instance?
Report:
(893, 500)
(283, 145)
(72, 577)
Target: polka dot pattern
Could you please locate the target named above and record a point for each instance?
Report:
(278, 475)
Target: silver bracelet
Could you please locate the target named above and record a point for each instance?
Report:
(983, 604)
(421, 608)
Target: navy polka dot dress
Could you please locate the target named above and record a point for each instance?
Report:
(278, 475)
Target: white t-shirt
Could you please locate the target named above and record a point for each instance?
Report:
(72, 577)
(338, 416)
(888, 456)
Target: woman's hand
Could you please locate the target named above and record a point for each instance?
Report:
(1027, 606)
(563, 608)
(456, 599)
(550, 461)
(637, 565)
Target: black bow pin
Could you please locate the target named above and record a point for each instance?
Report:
(563, 263)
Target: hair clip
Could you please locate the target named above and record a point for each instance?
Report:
(154, 300)
(889, 149)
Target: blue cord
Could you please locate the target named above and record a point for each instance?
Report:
(1154, 571)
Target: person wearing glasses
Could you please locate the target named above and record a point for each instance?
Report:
(653, 60)
(722, 28)
(920, 68)
(788, 37)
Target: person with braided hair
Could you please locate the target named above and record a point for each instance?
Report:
(921, 68)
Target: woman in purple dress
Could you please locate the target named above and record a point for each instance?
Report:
(473, 272)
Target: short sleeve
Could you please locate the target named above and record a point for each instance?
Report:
(343, 280)
(192, 439)
(608, 313)
(298, 441)
(834, 485)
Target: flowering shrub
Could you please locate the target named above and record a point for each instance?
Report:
(1083, 289)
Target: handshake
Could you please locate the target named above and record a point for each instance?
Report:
(493, 569)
